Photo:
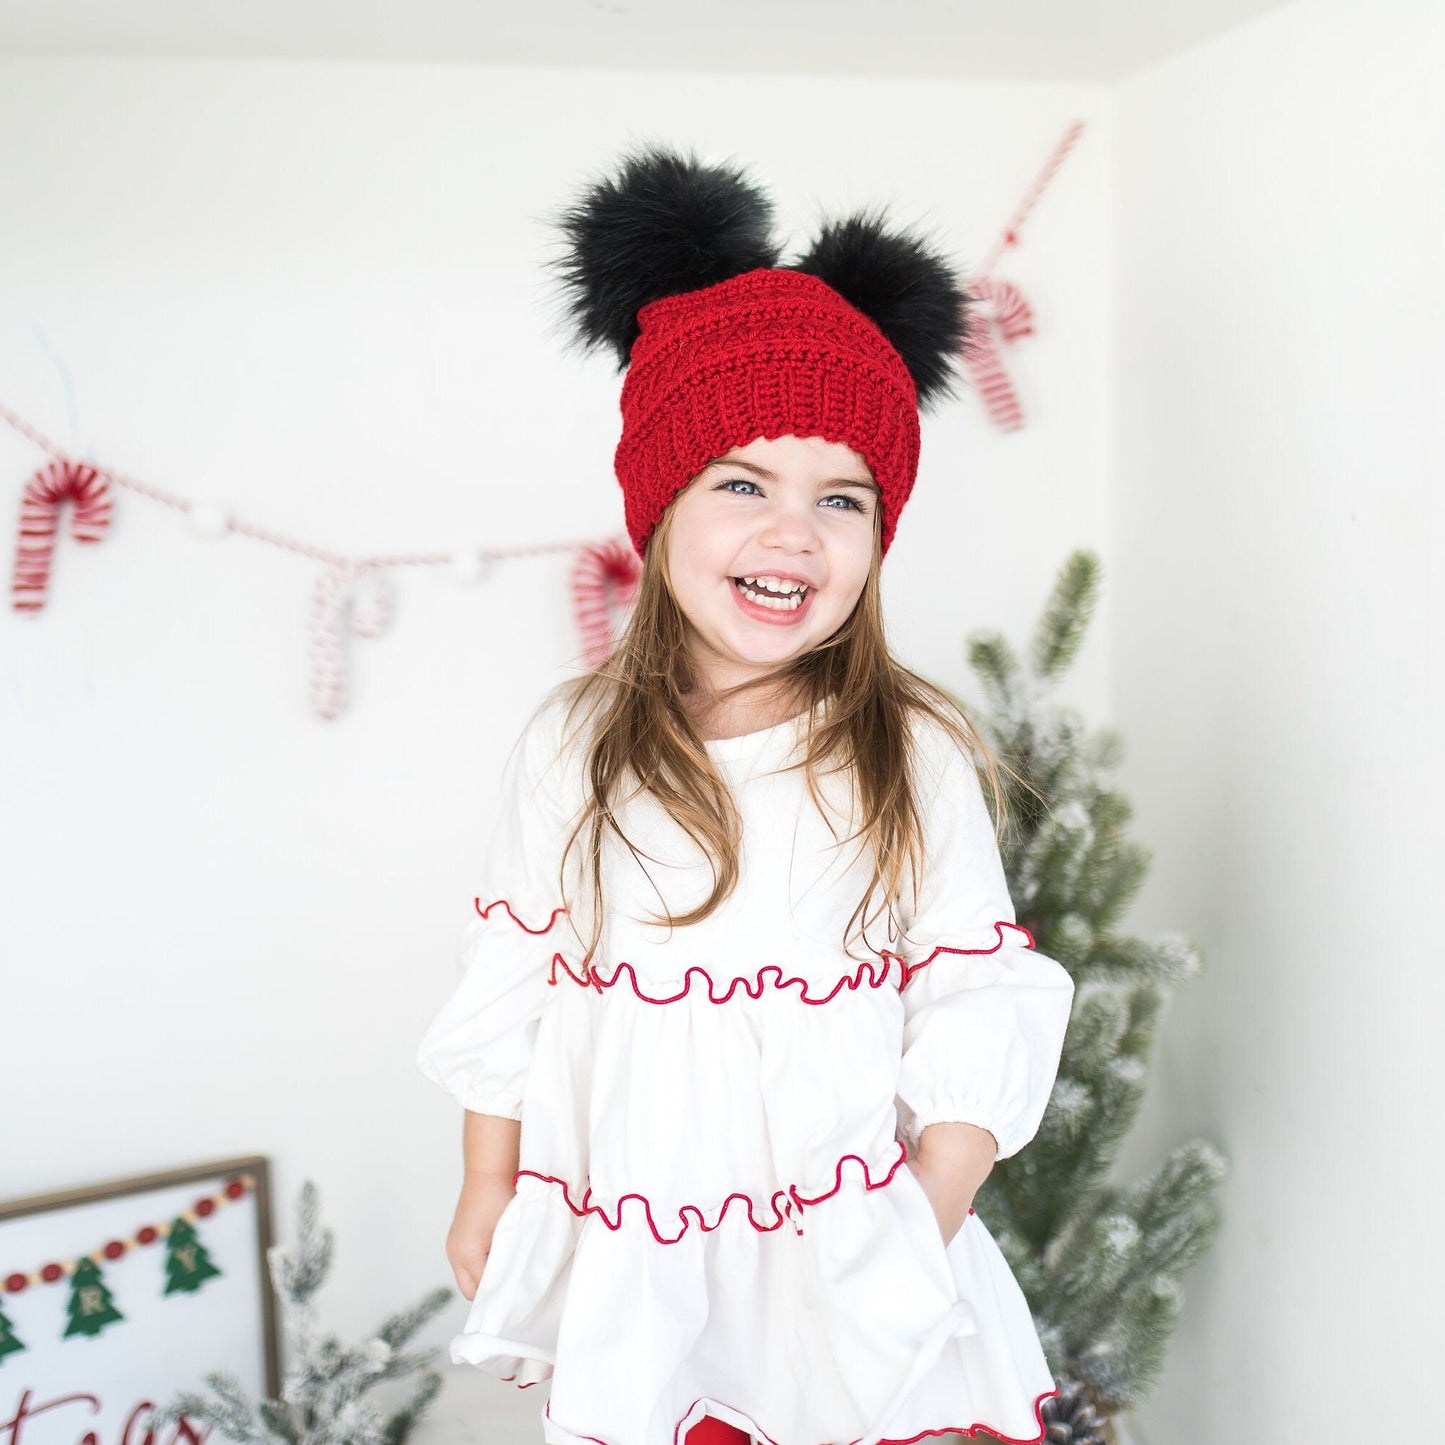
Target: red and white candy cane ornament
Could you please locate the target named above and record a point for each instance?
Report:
(604, 581)
(351, 597)
(1001, 315)
(1002, 311)
(88, 492)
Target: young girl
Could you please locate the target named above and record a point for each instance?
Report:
(746, 1018)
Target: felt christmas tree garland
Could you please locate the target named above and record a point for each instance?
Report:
(91, 1307)
(351, 597)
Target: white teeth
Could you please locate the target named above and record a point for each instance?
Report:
(777, 584)
(788, 601)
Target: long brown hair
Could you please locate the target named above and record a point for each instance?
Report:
(643, 741)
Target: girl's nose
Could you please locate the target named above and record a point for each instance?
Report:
(789, 529)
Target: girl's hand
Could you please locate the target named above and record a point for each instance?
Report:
(952, 1162)
(469, 1240)
(950, 1204)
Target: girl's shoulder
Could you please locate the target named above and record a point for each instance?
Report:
(553, 720)
(553, 744)
(941, 739)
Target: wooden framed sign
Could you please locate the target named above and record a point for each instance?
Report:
(116, 1296)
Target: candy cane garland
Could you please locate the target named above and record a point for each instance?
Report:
(63, 480)
(348, 592)
(351, 596)
(604, 579)
(1005, 317)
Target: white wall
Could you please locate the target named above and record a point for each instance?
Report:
(313, 291)
(1277, 644)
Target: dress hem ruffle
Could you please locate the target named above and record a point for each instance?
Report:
(533, 1365)
(559, 1435)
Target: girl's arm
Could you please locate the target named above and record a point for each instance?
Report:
(984, 1012)
(490, 1148)
(479, 1044)
(952, 1162)
(489, 1163)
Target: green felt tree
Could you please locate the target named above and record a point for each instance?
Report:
(1099, 1262)
(9, 1341)
(90, 1308)
(188, 1266)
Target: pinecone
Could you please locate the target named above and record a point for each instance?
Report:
(1070, 1417)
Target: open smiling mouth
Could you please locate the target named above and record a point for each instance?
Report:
(775, 592)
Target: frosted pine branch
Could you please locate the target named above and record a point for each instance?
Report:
(402, 1421)
(1067, 615)
(397, 1329)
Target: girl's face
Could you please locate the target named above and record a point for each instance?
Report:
(768, 549)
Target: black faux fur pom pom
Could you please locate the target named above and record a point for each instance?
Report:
(907, 290)
(664, 224)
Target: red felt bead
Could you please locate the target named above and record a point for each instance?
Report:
(114, 1249)
(51, 1273)
(235, 1189)
(147, 1235)
(15, 1283)
(205, 1206)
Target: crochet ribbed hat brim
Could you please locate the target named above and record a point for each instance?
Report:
(770, 353)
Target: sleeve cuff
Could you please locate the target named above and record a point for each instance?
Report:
(955, 1109)
(479, 1097)
(503, 1103)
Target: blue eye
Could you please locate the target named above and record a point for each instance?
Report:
(743, 481)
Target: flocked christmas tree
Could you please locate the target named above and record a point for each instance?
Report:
(1100, 1264)
(323, 1398)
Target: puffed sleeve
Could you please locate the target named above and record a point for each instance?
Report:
(479, 1045)
(984, 1012)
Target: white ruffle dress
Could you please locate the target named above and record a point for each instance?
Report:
(712, 1211)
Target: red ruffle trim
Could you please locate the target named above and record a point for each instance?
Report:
(866, 975)
(790, 1196)
(909, 969)
(507, 909)
(971, 1430)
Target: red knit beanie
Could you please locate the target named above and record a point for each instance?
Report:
(765, 354)
(673, 266)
